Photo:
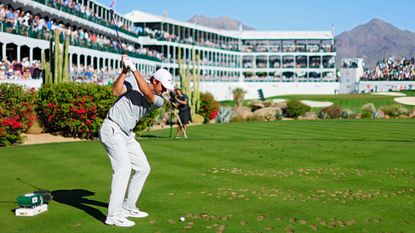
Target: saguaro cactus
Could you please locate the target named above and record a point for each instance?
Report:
(65, 65)
(47, 75)
(56, 52)
(57, 69)
(190, 79)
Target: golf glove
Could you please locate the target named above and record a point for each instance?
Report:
(129, 64)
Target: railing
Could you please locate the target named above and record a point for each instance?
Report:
(83, 43)
(286, 79)
(90, 18)
(286, 49)
(183, 41)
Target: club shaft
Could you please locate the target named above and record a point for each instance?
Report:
(116, 31)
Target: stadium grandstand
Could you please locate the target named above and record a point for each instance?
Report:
(279, 62)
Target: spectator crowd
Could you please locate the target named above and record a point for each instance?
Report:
(79, 9)
(391, 69)
(23, 70)
(25, 23)
(166, 36)
(17, 70)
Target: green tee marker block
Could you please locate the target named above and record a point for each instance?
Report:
(30, 200)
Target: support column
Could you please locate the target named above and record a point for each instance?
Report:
(30, 55)
(70, 61)
(78, 58)
(267, 61)
(168, 54)
(3, 50)
(174, 52)
(18, 53)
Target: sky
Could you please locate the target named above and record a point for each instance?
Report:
(283, 14)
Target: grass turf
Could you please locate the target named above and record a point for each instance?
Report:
(286, 176)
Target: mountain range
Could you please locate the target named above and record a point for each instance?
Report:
(375, 40)
(223, 23)
(372, 41)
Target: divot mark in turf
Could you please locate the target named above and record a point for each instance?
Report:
(194, 219)
(314, 227)
(260, 218)
(289, 229)
(338, 173)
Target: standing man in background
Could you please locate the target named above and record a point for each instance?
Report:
(136, 98)
(184, 110)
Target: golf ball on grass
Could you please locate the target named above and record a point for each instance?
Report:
(181, 219)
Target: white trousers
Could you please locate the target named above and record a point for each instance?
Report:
(125, 154)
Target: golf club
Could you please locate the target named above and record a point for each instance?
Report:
(116, 29)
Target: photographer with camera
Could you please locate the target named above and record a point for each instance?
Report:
(182, 102)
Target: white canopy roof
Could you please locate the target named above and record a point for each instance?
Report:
(143, 17)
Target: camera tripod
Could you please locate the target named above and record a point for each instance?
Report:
(173, 109)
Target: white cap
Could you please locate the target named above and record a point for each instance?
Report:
(165, 78)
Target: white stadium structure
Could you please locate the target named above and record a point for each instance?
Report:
(278, 62)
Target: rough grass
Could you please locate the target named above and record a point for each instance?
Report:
(286, 176)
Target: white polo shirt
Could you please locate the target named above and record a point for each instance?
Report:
(130, 107)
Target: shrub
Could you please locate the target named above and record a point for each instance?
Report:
(78, 109)
(331, 112)
(346, 114)
(322, 115)
(209, 107)
(74, 109)
(368, 111)
(279, 114)
(224, 115)
(16, 112)
(394, 110)
(238, 96)
(295, 108)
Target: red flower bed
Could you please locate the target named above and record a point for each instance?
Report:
(16, 112)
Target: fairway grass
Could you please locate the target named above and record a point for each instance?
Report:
(351, 102)
(285, 176)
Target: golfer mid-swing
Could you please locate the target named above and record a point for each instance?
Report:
(136, 98)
